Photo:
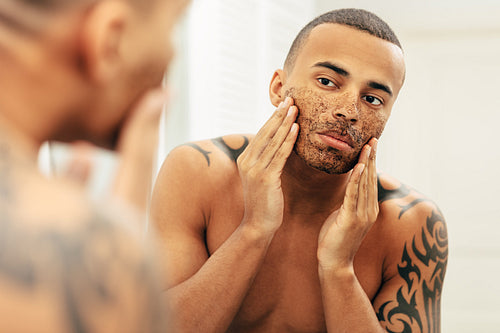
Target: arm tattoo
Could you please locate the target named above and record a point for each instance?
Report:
(422, 268)
(90, 270)
(233, 154)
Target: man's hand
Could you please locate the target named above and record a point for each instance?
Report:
(260, 167)
(137, 148)
(345, 229)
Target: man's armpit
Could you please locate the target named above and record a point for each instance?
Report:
(415, 292)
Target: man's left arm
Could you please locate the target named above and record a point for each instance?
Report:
(410, 297)
(409, 300)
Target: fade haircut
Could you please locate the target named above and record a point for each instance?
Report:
(357, 18)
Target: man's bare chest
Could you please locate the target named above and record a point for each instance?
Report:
(285, 295)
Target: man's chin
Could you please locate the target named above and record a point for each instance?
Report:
(331, 169)
(331, 164)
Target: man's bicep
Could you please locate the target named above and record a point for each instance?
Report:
(178, 215)
(410, 300)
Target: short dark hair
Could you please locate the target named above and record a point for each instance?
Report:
(357, 18)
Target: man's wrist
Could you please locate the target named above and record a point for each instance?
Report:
(337, 270)
(253, 232)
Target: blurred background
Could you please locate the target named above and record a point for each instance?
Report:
(441, 138)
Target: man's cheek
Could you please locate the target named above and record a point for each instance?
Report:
(374, 127)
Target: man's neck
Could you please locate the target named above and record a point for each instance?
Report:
(308, 191)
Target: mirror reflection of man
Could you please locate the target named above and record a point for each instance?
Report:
(78, 70)
(292, 230)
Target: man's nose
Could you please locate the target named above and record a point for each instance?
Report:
(347, 107)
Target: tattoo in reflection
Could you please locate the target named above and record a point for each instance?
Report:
(201, 150)
(232, 153)
(401, 192)
(93, 268)
(418, 302)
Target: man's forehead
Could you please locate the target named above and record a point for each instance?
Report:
(353, 49)
(333, 38)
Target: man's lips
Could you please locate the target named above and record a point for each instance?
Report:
(337, 141)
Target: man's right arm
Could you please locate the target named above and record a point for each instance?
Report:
(204, 293)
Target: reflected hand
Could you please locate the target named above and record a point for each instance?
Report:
(137, 149)
(344, 230)
(260, 167)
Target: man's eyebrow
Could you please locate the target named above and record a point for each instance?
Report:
(380, 86)
(335, 68)
(339, 70)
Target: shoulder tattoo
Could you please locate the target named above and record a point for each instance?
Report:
(232, 153)
(399, 193)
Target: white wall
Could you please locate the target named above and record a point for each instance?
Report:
(228, 51)
(442, 139)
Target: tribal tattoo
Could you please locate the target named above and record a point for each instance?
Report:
(232, 153)
(417, 304)
(95, 270)
(201, 150)
(401, 192)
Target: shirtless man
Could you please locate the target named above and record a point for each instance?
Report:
(79, 70)
(291, 230)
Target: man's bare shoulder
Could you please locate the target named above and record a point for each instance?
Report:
(221, 150)
(213, 158)
(412, 225)
(65, 260)
(35, 201)
(402, 201)
(194, 178)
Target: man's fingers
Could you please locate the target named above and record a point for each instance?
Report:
(79, 167)
(270, 151)
(372, 183)
(351, 193)
(150, 106)
(266, 133)
(137, 148)
(363, 184)
(285, 149)
(143, 122)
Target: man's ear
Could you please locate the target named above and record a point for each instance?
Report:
(102, 35)
(276, 93)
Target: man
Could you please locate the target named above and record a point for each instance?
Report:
(79, 70)
(291, 230)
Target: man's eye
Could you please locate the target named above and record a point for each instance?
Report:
(326, 82)
(372, 100)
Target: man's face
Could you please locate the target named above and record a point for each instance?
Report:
(149, 51)
(344, 83)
